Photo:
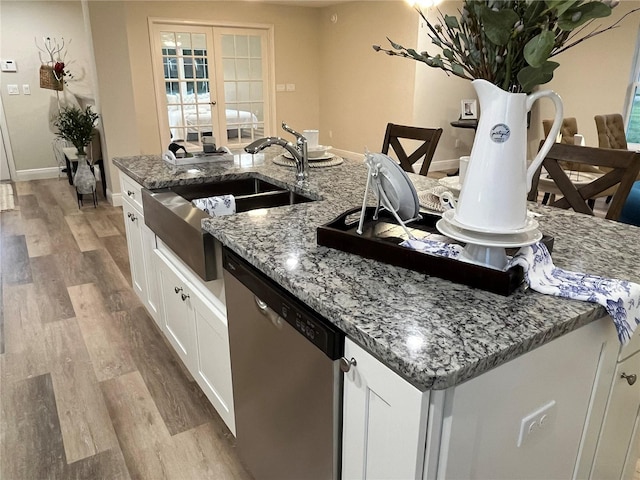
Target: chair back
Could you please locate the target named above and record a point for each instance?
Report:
(568, 129)
(623, 166)
(611, 131)
(428, 136)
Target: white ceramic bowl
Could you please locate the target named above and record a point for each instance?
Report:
(318, 152)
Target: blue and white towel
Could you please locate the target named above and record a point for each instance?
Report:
(217, 206)
(620, 298)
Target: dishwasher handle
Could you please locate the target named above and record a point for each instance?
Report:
(267, 312)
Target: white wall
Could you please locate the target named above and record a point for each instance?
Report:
(28, 116)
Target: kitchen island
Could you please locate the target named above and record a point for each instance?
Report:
(435, 334)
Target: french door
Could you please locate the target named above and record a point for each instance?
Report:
(212, 81)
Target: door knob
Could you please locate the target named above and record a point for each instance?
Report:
(213, 102)
(631, 379)
(345, 365)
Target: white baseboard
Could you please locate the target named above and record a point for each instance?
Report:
(114, 199)
(39, 174)
(439, 165)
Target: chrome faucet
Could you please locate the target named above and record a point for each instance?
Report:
(297, 150)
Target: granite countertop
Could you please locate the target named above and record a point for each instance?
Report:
(433, 332)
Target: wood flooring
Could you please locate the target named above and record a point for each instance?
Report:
(89, 389)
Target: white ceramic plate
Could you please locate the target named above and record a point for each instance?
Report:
(452, 183)
(530, 226)
(397, 187)
(487, 239)
(322, 155)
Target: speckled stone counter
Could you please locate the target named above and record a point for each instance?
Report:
(433, 332)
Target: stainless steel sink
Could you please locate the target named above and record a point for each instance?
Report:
(172, 217)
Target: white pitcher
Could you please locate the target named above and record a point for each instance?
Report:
(494, 195)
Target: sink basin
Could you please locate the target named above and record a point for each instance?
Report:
(169, 213)
(249, 193)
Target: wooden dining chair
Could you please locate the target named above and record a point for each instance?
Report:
(623, 166)
(428, 136)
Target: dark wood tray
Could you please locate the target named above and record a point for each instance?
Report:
(380, 240)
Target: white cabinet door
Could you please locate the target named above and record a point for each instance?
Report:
(134, 221)
(152, 295)
(618, 447)
(177, 312)
(213, 370)
(384, 427)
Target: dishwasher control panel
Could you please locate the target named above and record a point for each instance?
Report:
(309, 323)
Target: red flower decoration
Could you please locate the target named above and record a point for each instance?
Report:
(59, 68)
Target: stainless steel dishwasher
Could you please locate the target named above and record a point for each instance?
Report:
(287, 384)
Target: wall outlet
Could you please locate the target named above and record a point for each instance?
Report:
(536, 422)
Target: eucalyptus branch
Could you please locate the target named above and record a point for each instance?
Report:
(593, 34)
(508, 43)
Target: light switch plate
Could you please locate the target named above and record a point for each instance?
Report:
(291, 87)
(13, 90)
(26, 89)
(280, 87)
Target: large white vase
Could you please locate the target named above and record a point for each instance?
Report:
(83, 179)
(494, 196)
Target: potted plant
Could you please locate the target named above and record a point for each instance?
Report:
(77, 126)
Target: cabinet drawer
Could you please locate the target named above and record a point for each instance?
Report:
(131, 191)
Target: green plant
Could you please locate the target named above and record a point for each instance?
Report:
(76, 126)
(508, 42)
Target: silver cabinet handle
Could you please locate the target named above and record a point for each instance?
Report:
(131, 216)
(177, 289)
(345, 365)
(130, 193)
(631, 379)
(184, 296)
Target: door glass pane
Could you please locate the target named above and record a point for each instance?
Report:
(188, 68)
(184, 43)
(255, 91)
(255, 46)
(230, 92)
(228, 46)
(242, 69)
(255, 67)
(242, 46)
(188, 89)
(244, 94)
(633, 128)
